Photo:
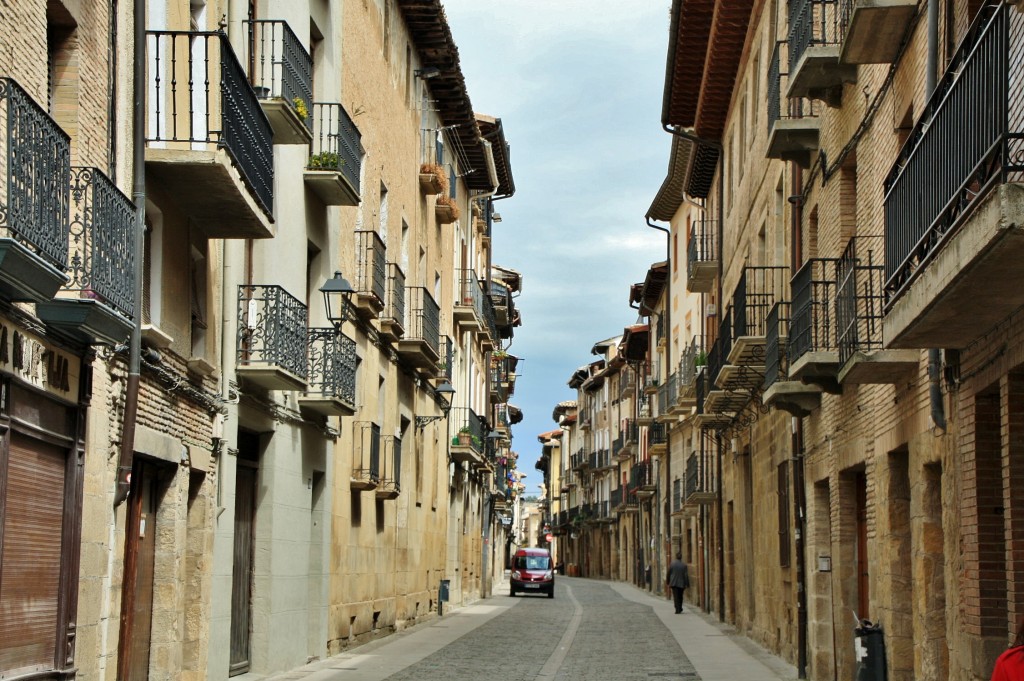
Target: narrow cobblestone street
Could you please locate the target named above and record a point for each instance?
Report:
(591, 631)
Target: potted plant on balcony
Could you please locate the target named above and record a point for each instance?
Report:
(432, 179)
(465, 436)
(446, 209)
(325, 160)
(299, 104)
(701, 359)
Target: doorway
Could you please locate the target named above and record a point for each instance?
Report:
(246, 481)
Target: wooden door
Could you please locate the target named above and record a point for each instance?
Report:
(31, 541)
(862, 546)
(144, 496)
(241, 573)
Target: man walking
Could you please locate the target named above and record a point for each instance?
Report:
(678, 580)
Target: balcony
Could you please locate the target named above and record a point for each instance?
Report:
(420, 346)
(272, 338)
(667, 400)
(332, 374)
(469, 303)
(444, 365)
(469, 435)
(603, 460)
(699, 486)
(35, 197)
(704, 417)
(97, 303)
(391, 473)
(371, 274)
(579, 460)
(872, 30)
(859, 303)
(756, 292)
(657, 439)
(281, 73)
(365, 457)
(814, 67)
(744, 373)
(209, 146)
(506, 317)
(642, 479)
(954, 199)
(812, 350)
(335, 156)
(692, 360)
(780, 392)
(793, 126)
(392, 320)
(702, 256)
(630, 437)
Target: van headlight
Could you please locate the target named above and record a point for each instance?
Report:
(549, 575)
(515, 574)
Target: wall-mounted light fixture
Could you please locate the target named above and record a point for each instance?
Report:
(495, 217)
(443, 396)
(427, 73)
(337, 298)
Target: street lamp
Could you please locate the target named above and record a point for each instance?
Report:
(443, 396)
(427, 73)
(337, 299)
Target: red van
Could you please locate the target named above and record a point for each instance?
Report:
(532, 571)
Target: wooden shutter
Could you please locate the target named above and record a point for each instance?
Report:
(30, 562)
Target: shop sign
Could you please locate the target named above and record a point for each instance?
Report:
(37, 362)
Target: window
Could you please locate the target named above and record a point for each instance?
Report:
(198, 299)
(783, 497)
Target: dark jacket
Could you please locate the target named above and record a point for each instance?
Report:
(678, 575)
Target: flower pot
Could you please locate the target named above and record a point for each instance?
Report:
(465, 439)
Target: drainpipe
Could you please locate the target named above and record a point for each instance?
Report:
(668, 360)
(934, 354)
(714, 144)
(131, 400)
(797, 431)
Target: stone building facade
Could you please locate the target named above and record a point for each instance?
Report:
(244, 431)
(839, 330)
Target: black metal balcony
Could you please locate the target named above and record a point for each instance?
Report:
(335, 156)
(469, 303)
(35, 197)
(97, 303)
(699, 485)
(657, 439)
(371, 274)
(444, 365)
(796, 397)
(756, 292)
(468, 436)
(860, 298)
(793, 127)
(872, 30)
(490, 338)
(391, 471)
(392, 319)
(366, 456)
(667, 392)
(812, 349)
(209, 145)
(419, 347)
(709, 412)
(272, 338)
(332, 373)
(953, 197)
(281, 72)
(692, 360)
(702, 256)
(630, 437)
(814, 36)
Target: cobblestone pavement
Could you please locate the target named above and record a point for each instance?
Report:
(587, 633)
(591, 631)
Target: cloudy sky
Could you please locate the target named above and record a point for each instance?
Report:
(578, 86)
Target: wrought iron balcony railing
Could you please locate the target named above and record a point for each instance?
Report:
(757, 290)
(102, 261)
(279, 65)
(811, 23)
(366, 456)
(463, 420)
(447, 352)
(775, 357)
(701, 246)
(677, 493)
(616, 497)
(391, 468)
(35, 190)
(860, 297)
(969, 138)
(272, 329)
(337, 144)
(657, 434)
(371, 265)
(667, 393)
(423, 317)
(394, 306)
(199, 95)
(332, 366)
(691, 360)
(490, 321)
(812, 328)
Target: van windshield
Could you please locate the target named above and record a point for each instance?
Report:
(533, 562)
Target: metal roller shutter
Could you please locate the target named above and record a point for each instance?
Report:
(30, 561)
